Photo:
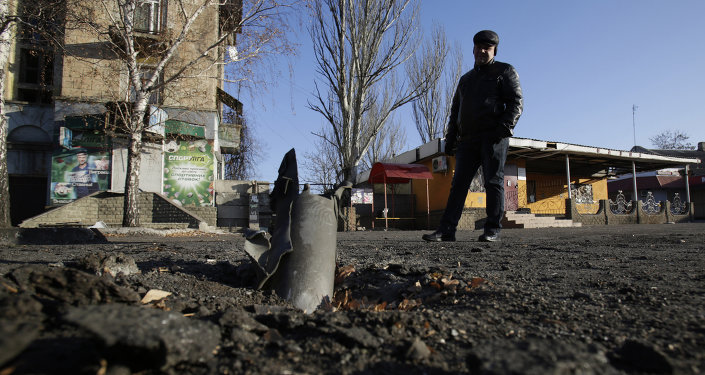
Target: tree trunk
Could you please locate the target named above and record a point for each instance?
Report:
(5, 220)
(130, 216)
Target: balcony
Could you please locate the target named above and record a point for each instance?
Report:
(229, 137)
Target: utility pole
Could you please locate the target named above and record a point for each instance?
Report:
(634, 107)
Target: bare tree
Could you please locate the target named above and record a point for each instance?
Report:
(389, 142)
(178, 52)
(672, 140)
(241, 166)
(322, 168)
(440, 68)
(358, 47)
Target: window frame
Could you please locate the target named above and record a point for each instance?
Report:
(35, 79)
(156, 17)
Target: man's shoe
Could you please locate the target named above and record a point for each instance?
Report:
(489, 237)
(438, 236)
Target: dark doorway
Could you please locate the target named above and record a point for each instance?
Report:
(27, 197)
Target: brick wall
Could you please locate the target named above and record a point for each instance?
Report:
(657, 218)
(155, 211)
(614, 219)
(209, 214)
(684, 218)
(598, 218)
(232, 199)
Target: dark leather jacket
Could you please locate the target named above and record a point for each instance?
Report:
(487, 102)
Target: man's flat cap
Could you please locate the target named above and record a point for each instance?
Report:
(486, 37)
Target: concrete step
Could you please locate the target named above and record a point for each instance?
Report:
(165, 225)
(526, 220)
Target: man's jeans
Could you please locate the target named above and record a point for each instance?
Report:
(469, 156)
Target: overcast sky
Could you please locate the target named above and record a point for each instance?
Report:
(583, 65)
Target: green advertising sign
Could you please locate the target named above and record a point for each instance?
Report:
(188, 172)
(184, 128)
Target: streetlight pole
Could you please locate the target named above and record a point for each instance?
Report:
(634, 107)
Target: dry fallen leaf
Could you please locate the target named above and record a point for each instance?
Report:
(340, 298)
(408, 304)
(477, 281)
(103, 367)
(154, 295)
(343, 272)
(9, 288)
(381, 306)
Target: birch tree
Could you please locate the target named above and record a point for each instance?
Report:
(6, 24)
(440, 67)
(260, 25)
(35, 19)
(358, 46)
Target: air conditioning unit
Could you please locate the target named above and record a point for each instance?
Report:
(440, 164)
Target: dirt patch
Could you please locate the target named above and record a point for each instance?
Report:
(625, 299)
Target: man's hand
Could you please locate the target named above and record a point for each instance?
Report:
(449, 147)
(502, 132)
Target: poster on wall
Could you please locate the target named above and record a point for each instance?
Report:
(188, 172)
(361, 196)
(78, 171)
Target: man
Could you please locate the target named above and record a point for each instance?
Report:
(486, 106)
(82, 175)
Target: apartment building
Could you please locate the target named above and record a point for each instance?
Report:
(67, 100)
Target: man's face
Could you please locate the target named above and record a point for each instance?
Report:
(484, 53)
(81, 158)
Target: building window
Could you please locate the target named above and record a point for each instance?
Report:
(531, 191)
(230, 15)
(36, 76)
(156, 96)
(149, 16)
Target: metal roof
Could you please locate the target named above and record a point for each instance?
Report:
(550, 157)
(587, 161)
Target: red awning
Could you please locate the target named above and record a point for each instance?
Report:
(398, 173)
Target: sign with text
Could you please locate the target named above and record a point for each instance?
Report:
(188, 172)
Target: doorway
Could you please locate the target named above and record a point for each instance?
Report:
(27, 197)
(511, 193)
